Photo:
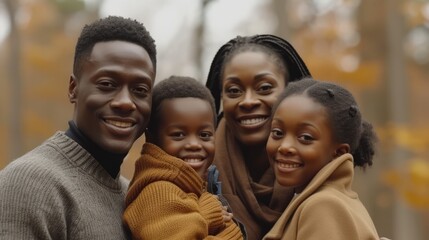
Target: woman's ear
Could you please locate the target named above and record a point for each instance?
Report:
(72, 89)
(342, 149)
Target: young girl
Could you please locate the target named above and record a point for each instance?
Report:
(167, 198)
(317, 137)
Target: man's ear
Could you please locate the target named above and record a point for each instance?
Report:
(72, 89)
(342, 149)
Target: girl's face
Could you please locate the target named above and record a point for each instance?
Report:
(301, 141)
(251, 82)
(186, 131)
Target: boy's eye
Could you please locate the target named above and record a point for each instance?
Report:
(206, 135)
(177, 135)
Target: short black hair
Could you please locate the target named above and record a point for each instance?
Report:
(344, 116)
(177, 87)
(282, 51)
(109, 29)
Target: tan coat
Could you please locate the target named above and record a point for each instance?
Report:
(327, 208)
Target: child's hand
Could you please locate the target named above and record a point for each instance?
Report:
(227, 216)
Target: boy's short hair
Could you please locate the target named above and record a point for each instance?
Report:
(110, 29)
(177, 87)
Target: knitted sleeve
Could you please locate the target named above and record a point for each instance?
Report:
(163, 211)
(30, 204)
(211, 210)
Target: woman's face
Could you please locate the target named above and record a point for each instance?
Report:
(251, 82)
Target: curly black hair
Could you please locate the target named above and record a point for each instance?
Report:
(344, 116)
(177, 87)
(109, 29)
(282, 51)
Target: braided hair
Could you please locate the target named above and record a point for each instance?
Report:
(344, 116)
(109, 29)
(280, 49)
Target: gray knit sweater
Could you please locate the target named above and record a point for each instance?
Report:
(59, 191)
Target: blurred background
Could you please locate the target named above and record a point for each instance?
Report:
(377, 49)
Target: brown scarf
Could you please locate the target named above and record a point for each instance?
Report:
(257, 205)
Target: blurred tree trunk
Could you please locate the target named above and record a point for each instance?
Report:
(279, 8)
(405, 224)
(199, 40)
(372, 25)
(14, 76)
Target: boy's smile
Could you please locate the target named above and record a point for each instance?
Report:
(186, 131)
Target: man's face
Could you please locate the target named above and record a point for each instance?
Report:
(113, 94)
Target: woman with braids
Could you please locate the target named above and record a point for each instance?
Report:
(246, 76)
(317, 137)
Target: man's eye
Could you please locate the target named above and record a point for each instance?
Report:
(141, 90)
(106, 84)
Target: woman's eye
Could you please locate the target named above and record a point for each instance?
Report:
(265, 88)
(233, 91)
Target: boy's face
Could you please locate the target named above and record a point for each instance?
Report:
(113, 94)
(186, 130)
(301, 141)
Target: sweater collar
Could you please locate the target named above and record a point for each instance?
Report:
(111, 162)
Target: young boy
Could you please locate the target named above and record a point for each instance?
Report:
(167, 197)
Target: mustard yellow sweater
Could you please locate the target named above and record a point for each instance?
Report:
(166, 200)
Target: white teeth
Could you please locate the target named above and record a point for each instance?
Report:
(119, 124)
(285, 165)
(252, 121)
(192, 160)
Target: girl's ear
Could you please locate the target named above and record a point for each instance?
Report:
(342, 149)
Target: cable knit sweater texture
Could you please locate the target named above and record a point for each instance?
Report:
(327, 208)
(166, 200)
(59, 191)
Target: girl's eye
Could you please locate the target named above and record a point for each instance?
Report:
(276, 133)
(306, 138)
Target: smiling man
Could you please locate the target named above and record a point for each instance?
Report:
(69, 187)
